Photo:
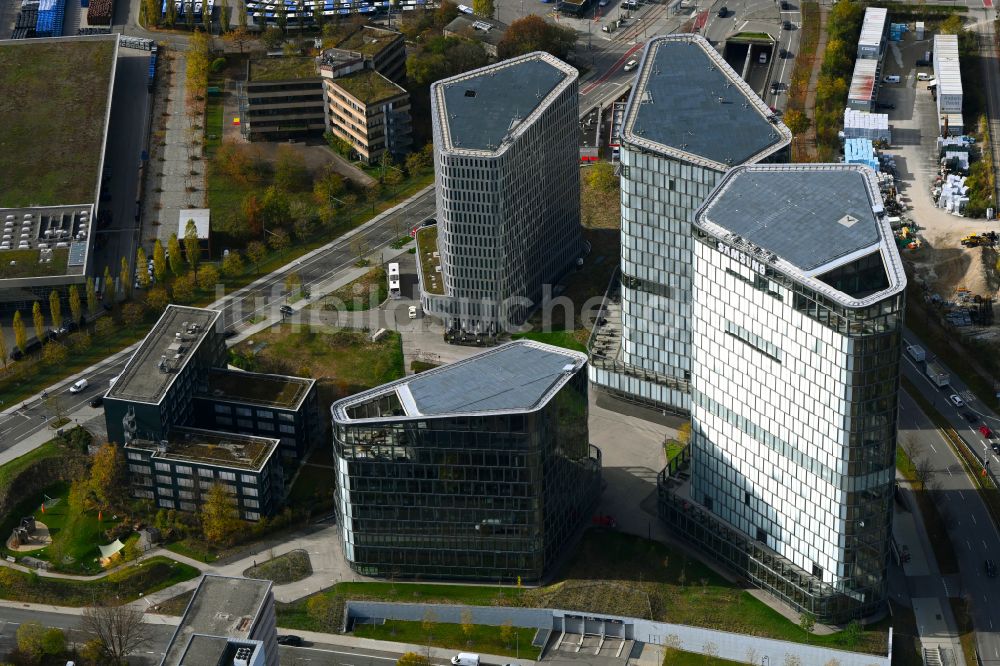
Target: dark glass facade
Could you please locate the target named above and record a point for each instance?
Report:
(491, 496)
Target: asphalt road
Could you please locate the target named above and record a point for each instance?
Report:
(239, 307)
(973, 533)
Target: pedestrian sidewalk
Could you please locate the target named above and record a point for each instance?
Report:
(925, 590)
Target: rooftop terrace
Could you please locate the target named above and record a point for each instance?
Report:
(689, 103)
(284, 68)
(220, 606)
(368, 86)
(55, 103)
(257, 388)
(516, 377)
(368, 40)
(479, 108)
(147, 376)
(246, 452)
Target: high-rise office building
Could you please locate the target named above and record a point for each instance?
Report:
(481, 469)
(797, 315)
(689, 120)
(508, 193)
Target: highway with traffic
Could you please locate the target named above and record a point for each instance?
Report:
(972, 532)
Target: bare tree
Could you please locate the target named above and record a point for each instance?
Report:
(923, 469)
(121, 630)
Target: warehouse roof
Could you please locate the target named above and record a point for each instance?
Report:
(481, 110)
(804, 220)
(516, 377)
(689, 103)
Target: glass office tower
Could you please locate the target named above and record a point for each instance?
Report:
(689, 120)
(481, 469)
(797, 333)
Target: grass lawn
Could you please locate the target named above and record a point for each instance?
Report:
(11, 470)
(343, 362)
(365, 293)
(619, 574)
(680, 658)
(24, 263)
(120, 586)
(283, 569)
(175, 605)
(196, 550)
(672, 448)
(418, 366)
(75, 536)
(566, 339)
(52, 120)
(482, 638)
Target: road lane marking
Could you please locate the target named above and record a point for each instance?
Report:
(969, 545)
(973, 519)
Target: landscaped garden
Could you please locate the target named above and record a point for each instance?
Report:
(120, 586)
(507, 641)
(610, 573)
(342, 362)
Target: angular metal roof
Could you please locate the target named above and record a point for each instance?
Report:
(478, 109)
(519, 376)
(689, 103)
(808, 218)
(804, 220)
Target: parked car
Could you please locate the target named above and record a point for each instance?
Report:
(97, 401)
(923, 76)
(289, 639)
(79, 386)
(630, 65)
(723, 10)
(985, 431)
(286, 310)
(969, 416)
(956, 400)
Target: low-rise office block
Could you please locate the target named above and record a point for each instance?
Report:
(479, 470)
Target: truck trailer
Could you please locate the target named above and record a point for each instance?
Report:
(937, 374)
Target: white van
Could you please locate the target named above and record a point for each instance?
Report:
(891, 79)
(79, 386)
(412, 311)
(763, 57)
(465, 659)
(923, 76)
